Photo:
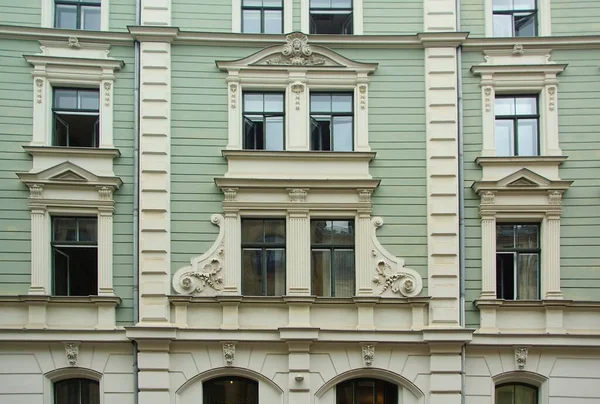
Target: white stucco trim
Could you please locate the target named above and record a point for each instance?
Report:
(543, 17)
(236, 16)
(519, 376)
(357, 16)
(70, 373)
(47, 13)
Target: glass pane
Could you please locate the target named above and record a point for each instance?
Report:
(527, 138)
(344, 393)
(251, 21)
(504, 395)
(65, 99)
(61, 273)
(365, 391)
(274, 139)
(320, 103)
(66, 16)
(320, 232)
(273, 102)
(88, 230)
(272, 3)
(253, 102)
(253, 3)
(342, 133)
(524, 4)
(526, 105)
(89, 100)
(320, 133)
(527, 236)
(320, 3)
(65, 229)
(343, 232)
(505, 275)
(505, 138)
(321, 272)
(61, 131)
(252, 272)
(525, 395)
(90, 18)
(275, 231)
(505, 236)
(503, 25)
(527, 276)
(525, 24)
(273, 23)
(502, 5)
(504, 106)
(341, 3)
(252, 231)
(253, 132)
(343, 269)
(341, 102)
(275, 272)
(229, 389)
(90, 392)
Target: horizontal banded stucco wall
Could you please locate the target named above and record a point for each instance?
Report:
(472, 17)
(397, 134)
(25, 12)
(575, 17)
(121, 14)
(202, 15)
(392, 17)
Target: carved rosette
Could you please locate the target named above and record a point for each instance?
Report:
(39, 91)
(521, 358)
(107, 88)
(229, 353)
(296, 52)
(368, 352)
(72, 353)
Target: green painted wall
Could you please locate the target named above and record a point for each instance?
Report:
(392, 17)
(581, 17)
(202, 15)
(472, 14)
(579, 120)
(121, 14)
(27, 12)
(397, 134)
(16, 105)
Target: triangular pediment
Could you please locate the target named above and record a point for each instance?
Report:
(524, 178)
(296, 52)
(69, 174)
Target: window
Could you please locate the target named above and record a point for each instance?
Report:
(332, 244)
(518, 261)
(516, 394)
(366, 391)
(76, 391)
(264, 121)
(77, 14)
(513, 18)
(263, 257)
(262, 16)
(331, 17)
(230, 390)
(332, 121)
(76, 117)
(517, 126)
(75, 256)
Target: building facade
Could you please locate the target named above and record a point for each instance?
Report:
(300, 201)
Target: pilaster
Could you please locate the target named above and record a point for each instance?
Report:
(105, 252)
(439, 15)
(153, 375)
(156, 12)
(488, 257)
(40, 252)
(364, 272)
(299, 372)
(551, 259)
(298, 121)
(233, 239)
(298, 253)
(445, 367)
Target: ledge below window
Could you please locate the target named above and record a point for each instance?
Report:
(96, 160)
(59, 312)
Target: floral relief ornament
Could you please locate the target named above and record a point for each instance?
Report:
(368, 352)
(296, 52)
(233, 89)
(107, 87)
(399, 282)
(40, 88)
(196, 281)
(229, 353)
(297, 88)
(521, 357)
(72, 353)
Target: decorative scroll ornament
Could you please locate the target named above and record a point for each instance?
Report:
(204, 270)
(297, 88)
(72, 353)
(297, 195)
(555, 198)
(368, 352)
(488, 98)
(296, 52)
(74, 42)
(39, 83)
(107, 87)
(392, 277)
(229, 353)
(518, 50)
(521, 357)
(233, 90)
(551, 98)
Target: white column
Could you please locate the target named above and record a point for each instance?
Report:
(106, 111)
(233, 264)
(298, 270)
(551, 259)
(550, 124)
(105, 257)
(488, 96)
(41, 272)
(361, 108)
(298, 121)
(364, 272)
(41, 107)
(488, 257)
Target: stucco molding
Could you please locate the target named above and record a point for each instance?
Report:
(368, 353)
(521, 357)
(72, 353)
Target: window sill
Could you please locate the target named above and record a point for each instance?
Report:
(71, 151)
(520, 161)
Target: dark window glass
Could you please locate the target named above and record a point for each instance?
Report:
(262, 16)
(77, 14)
(76, 115)
(263, 257)
(517, 126)
(516, 394)
(264, 121)
(331, 17)
(75, 256)
(76, 391)
(332, 121)
(514, 18)
(366, 391)
(518, 261)
(230, 390)
(332, 254)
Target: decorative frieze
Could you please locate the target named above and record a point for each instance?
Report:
(72, 353)
(297, 194)
(39, 91)
(368, 353)
(297, 89)
(229, 353)
(521, 358)
(233, 94)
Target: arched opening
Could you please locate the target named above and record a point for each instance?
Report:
(516, 393)
(366, 391)
(76, 391)
(230, 390)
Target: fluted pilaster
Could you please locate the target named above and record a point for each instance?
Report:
(40, 253)
(105, 259)
(298, 253)
(233, 239)
(488, 258)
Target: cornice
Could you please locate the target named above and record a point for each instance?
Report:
(77, 62)
(63, 35)
(485, 161)
(301, 155)
(296, 183)
(442, 39)
(66, 300)
(517, 69)
(153, 34)
(557, 42)
(71, 151)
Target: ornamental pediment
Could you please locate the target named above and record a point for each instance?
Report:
(296, 52)
(68, 173)
(521, 180)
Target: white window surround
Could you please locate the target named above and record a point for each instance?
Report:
(543, 18)
(72, 64)
(520, 71)
(236, 15)
(72, 372)
(357, 16)
(48, 14)
(297, 68)
(521, 376)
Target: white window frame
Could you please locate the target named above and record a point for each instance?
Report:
(543, 18)
(236, 16)
(357, 16)
(48, 14)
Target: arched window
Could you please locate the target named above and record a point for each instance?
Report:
(516, 393)
(366, 391)
(230, 390)
(77, 391)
